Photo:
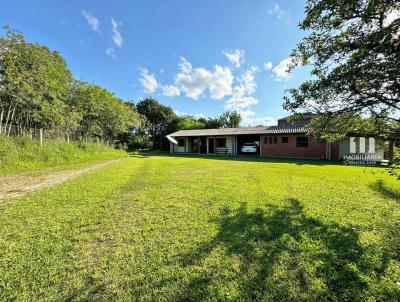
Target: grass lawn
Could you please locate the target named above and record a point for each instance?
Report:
(161, 228)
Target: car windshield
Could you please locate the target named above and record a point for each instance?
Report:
(249, 145)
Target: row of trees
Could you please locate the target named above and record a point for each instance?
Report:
(38, 91)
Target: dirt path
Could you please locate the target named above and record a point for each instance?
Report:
(17, 185)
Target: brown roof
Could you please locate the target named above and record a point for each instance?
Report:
(283, 129)
(304, 116)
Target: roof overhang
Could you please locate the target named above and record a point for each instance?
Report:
(172, 140)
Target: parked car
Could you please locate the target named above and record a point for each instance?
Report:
(249, 148)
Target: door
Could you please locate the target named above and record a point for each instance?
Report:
(203, 145)
(195, 145)
(211, 145)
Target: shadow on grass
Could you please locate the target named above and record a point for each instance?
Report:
(385, 190)
(137, 155)
(284, 255)
(245, 158)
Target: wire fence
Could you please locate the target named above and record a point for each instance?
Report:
(37, 134)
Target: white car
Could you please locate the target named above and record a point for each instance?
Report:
(249, 148)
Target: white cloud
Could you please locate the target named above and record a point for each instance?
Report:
(195, 81)
(93, 22)
(116, 36)
(199, 115)
(221, 82)
(247, 83)
(237, 102)
(236, 57)
(250, 119)
(170, 90)
(110, 52)
(268, 65)
(148, 81)
(185, 65)
(196, 115)
(278, 12)
(192, 82)
(241, 98)
(180, 113)
(281, 70)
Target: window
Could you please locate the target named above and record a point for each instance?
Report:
(285, 139)
(181, 142)
(270, 140)
(221, 142)
(302, 141)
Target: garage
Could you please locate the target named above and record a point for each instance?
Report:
(247, 143)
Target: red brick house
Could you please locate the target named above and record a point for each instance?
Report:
(287, 139)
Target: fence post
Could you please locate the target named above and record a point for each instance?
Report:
(41, 136)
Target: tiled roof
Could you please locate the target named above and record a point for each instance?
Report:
(284, 129)
(306, 116)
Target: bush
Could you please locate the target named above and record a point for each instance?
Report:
(23, 153)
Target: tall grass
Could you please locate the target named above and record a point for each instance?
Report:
(22, 153)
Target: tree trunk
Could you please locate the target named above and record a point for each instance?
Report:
(391, 150)
(11, 121)
(1, 119)
(41, 136)
(7, 118)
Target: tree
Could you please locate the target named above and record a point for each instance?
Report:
(160, 120)
(188, 122)
(34, 84)
(211, 123)
(104, 116)
(230, 119)
(354, 49)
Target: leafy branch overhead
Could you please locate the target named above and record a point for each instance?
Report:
(353, 47)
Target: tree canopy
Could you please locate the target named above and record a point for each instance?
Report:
(38, 91)
(353, 47)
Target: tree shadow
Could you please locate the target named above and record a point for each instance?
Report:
(386, 191)
(281, 254)
(245, 158)
(137, 155)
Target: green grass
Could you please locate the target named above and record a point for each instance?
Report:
(18, 154)
(161, 228)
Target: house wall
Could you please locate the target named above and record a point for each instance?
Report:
(229, 143)
(314, 149)
(184, 148)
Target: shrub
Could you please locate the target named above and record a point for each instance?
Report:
(22, 153)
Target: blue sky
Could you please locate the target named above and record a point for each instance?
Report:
(199, 57)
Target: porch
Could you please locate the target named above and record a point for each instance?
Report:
(213, 145)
